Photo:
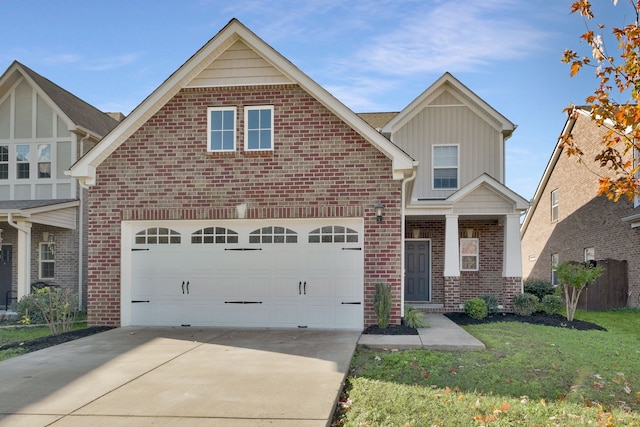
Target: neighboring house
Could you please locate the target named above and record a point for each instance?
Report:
(43, 131)
(242, 193)
(568, 221)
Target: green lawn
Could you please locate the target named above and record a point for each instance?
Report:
(16, 334)
(528, 375)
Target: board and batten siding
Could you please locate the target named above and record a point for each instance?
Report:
(447, 121)
(483, 200)
(239, 66)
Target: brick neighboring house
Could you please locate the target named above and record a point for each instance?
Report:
(43, 130)
(242, 193)
(569, 222)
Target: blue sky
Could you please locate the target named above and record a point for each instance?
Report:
(373, 55)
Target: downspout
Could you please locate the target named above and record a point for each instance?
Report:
(81, 230)
(24, 262)
(402, 232)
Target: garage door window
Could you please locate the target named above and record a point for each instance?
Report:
(214, 235)
(158, 236)
(333, 234)
(273, 235)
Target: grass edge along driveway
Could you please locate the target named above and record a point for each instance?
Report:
(529, 376)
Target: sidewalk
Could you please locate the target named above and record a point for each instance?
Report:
(442, 334)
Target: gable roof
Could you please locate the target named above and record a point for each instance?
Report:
(568, 127)
(470, 99)
(519, 202)
(85, 117)
(85, 169)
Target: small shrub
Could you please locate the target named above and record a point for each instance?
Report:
(492, 303)
(413, 317)
(525, 304)
(476, 308)
(57, 307)
(382, 304)
(552, 304)
(539, 288)
(29, 312)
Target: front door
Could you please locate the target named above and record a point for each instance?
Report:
(417, 280)
(5, 276)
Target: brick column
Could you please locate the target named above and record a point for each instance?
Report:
(451, 293)
(511, 286)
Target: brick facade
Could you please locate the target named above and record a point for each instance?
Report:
(584, 219)
(319, 168)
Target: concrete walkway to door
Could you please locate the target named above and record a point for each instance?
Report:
(179, 376)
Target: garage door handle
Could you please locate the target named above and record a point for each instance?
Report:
(300, 287)
(305, 288)
(187, 287)
(139, 301)
(352, 303)
(351, 249)
(243, 302)
(243, 249)
(183, 286)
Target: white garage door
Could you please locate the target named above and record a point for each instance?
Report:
(244, 273)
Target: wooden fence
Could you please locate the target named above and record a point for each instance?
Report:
(610, 290)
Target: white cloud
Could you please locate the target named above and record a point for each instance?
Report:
(110, 63)
(453, 36)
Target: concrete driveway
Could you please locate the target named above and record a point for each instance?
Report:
(179, 376)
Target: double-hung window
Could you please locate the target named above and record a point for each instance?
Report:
(445, 167)
(469, 254)
(47, 260)
(554, 205)
(221, 129)
(258, 132)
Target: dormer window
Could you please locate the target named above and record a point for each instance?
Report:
(445, 167)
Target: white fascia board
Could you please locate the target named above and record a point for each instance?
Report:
(477, 104)
(85, 168)
(520, 202)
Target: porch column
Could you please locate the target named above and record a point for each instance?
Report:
(451, 263)
(451, 247)
(512, 254)
(24, 258)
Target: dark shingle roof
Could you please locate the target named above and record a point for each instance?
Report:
(30, 204)
(377, 120)
(79, 111)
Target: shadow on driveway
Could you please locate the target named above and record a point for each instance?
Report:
(168, 376)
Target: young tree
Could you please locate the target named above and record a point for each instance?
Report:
(573, 278)
(618, 75)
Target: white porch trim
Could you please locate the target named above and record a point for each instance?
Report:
(512, 253)
(451, 247)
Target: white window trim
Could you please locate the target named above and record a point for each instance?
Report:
(557, 205)
(246, 127)
(433, 166)
(48, 261)
(555, 260)
(589, 254)
(235, 114)
(476, 241)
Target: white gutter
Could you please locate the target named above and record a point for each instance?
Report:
(81, 230)
(402, 232)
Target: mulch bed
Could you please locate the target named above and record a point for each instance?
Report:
(462, 319)
(539, 318)
(48, 341)
(390, 330)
